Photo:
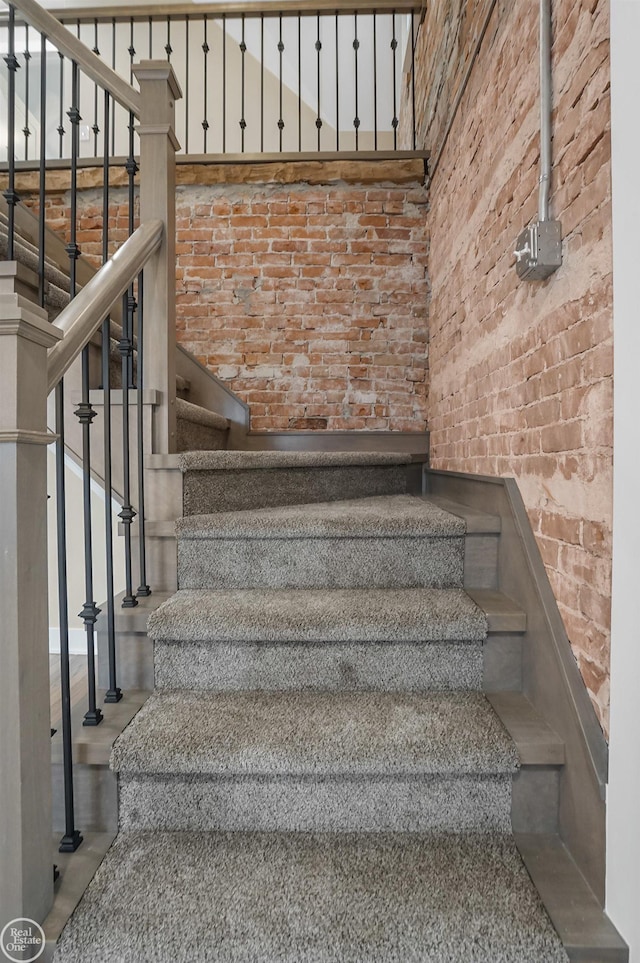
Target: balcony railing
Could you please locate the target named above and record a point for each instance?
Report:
(256, 78)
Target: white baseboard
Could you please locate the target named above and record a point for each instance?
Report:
(77, 641)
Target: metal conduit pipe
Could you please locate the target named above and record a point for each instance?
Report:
(545, 110)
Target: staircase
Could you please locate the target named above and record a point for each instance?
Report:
(318, 775)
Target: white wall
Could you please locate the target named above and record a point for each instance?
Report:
(623, 811)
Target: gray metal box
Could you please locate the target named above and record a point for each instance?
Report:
(539, 250)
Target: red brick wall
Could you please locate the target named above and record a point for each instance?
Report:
(310, 301)
(520, 373)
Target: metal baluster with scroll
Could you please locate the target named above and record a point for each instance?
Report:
(127, 514)
(10, 194)
(72, 837)
(113, 694)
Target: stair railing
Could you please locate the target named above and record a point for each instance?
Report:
(138, 266)
(293, 79)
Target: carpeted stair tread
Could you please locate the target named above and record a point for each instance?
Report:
(315, 733)
(186, 411)
(377, 517)
(246, 460)
(318, 615)
(311, 898)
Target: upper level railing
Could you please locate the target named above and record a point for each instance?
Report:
(256, 77)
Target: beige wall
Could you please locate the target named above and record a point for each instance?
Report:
(520, 373)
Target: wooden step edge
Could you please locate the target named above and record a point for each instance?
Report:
(536, 742)
(503, 614)
(586, 931)
(76, 872)
(92, 744)
(163, 462)
(134, 619)
(478, 522)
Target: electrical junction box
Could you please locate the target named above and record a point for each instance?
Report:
(538, 250)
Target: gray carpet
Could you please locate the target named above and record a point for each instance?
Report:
(319, 615)
(369, 518)
(328, 666)
(198, 428)
(308, 733)
(395, 541)
(245, 460)
(299, 898)
(318, 639)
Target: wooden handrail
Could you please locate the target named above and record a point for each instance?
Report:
(88, 62)
(83, 316)
(248, 8)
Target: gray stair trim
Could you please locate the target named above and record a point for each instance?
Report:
(586, 931)
(551, 677)
(415, 443)
(502, 613)
(320, 615)
(408, 804)
(247, 460)
(537, 743)
(303, 898)
(305, 733)
(378, 517)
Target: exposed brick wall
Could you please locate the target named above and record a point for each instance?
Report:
(310, 301)
(520, 373)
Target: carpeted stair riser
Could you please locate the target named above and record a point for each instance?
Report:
(466, 803)
(394, 562)
(193, 437)
(233, 490)
(398, 640)
(268, 666)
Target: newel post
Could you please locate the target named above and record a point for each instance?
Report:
(26, 858)
(159, 89)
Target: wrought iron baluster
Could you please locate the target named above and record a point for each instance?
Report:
(61, 124)
(168, 49)
(299, 85)
(186, 92)
(337, 84)
(127, 514)
(356, 47)
(224, 83)
(90, 611)
(10, 194)
(243, 122)
(143, 588)
(318, 49)
(131, 51)
(26, 130)
(113, 694)
(113, 103)
(43, 157)
(280, 52)
(261, 82)
(150, 39)
(95, 127)
(205, 53)
(394, 47)
(71, 838)
(375, 85)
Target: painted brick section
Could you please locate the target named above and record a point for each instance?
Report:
(521, 373)
(309, 301)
